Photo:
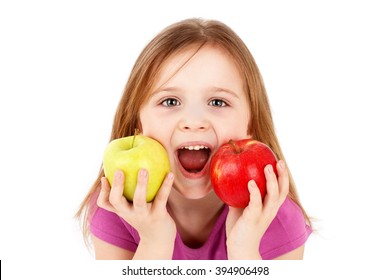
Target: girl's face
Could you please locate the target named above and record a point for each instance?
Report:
(197, 105)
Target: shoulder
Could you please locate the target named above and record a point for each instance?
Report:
(287, 232)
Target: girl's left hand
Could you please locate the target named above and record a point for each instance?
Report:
(246, 226)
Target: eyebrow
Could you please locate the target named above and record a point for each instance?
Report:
(162, 89)
(210, 89)
(219, 89)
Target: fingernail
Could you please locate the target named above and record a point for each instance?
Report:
(270, 169)
(170, 176)
(281, 164)
(143, 172)
(118, 174)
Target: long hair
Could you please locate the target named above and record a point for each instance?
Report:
(171, 40)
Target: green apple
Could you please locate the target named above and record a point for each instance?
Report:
(132, 153)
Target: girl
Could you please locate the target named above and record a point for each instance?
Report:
(194, 87)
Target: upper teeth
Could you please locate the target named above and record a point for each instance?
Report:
(197, 147)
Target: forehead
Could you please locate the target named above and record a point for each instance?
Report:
(194, 65)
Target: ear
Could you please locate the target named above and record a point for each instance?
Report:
(138, 126)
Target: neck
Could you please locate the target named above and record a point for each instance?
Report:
(207, 204)
(194, 218)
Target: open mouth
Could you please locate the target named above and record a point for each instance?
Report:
(193, 159)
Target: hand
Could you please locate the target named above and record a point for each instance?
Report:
(245, 227)
(152, 220)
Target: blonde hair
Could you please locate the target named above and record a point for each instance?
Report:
(174, 38)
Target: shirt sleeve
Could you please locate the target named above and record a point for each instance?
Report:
(109, 227)
(287, 231)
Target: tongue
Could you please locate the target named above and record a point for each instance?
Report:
(193, 160)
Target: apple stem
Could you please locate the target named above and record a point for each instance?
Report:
(136, 132)
(236, 148)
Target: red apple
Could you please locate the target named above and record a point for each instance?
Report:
(236, 163)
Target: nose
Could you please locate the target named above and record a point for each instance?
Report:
(194, 120)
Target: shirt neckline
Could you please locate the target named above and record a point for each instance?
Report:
(217, 226)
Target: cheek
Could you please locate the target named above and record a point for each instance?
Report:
(236, 128)
(151, 129)
(224, 135)
(147, 121)
(151, 126)
(235, 123)
(147, 129)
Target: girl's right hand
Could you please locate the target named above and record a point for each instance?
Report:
(155, 226)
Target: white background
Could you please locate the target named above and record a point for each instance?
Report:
(64, 64)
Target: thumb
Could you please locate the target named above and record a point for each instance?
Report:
(232, 217)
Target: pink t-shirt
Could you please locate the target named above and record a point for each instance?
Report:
(287, 232)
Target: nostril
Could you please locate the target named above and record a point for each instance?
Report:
(188, 126)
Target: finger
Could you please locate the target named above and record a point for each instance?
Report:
(283, 179)
(232, 217)
(160, 202)
(272, 184)
(254, 209)
(254, 195)
(103, 198)
(235, 213)
(116, 198)
(139, 200)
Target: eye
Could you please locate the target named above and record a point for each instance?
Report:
(170, 102)
(217, 103)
